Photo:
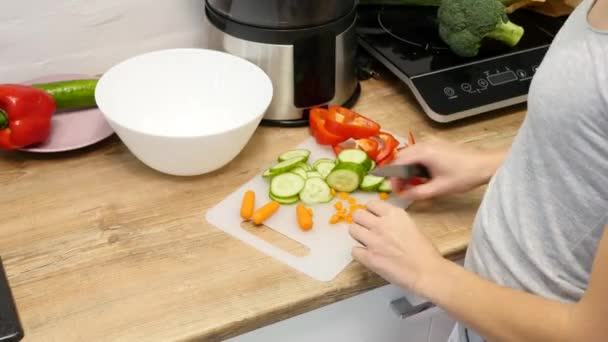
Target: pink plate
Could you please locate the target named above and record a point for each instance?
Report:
(75, 129)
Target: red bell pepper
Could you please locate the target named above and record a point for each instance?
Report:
(317, 118)
(25, 116)
(369, 146)
(388, 145)
(344, 122)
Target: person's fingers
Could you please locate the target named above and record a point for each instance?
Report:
(379, 208)
(363, 235)
(365, 219)
(421, 192)
(361, 254)
(415, 154)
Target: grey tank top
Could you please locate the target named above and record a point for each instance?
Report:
(545, 209)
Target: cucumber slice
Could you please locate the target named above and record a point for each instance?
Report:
(355, 156)
(305, 166)
(316, 191)
(313, 174)
(346, 177)
(294, 154)
(373, 166)
(385, 186)
(299, 171)
(325, 167)
(323, 161)
(284, 166)
(286, 185)
(267, 174)
(284, 200)
(371, 183)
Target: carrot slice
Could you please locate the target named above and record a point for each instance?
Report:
(335, 219)
(384, 196)
(343, 195)
(265, 212)
(248, 205)
(338, 205)
(304, 217)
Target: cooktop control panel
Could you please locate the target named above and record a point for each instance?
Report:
(482, 84)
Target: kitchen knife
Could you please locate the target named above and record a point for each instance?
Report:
(401, 171)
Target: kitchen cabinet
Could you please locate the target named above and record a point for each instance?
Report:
(373, 316)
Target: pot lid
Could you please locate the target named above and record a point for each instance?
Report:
(283, 14)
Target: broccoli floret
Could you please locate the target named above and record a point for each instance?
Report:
(463, 24)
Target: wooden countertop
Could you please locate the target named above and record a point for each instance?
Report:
(98, 247)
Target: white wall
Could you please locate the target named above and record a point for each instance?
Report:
(41, 37)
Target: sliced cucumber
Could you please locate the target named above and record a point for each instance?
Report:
(323, 161)
(299, 171)
(305, 166)
(316, 191)
(267, 174)
(325, 167)
(371, 183)
(355, 156)
(373, 166)
(313, 174)
(284, 166)
(286, 185)
(346, 177)
(284, 200)
(385, 186)
(294, 154)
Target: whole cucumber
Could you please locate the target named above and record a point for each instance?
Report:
(71, 94)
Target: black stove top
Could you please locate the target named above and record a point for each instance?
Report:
(406, 40)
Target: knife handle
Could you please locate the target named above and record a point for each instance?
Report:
(422, 171)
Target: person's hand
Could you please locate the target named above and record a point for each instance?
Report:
(393, 247)
(453, 169)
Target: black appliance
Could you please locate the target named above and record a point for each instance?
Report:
(405, 40)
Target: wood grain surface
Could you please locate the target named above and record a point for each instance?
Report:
(98, 247)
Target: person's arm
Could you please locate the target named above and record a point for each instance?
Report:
(504, 314)
(454, 168)
(396, 250)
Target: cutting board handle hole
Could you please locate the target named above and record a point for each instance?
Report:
(276, 239)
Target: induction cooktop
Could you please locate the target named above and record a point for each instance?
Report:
(405, 40)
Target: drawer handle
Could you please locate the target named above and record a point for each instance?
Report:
(404, 309)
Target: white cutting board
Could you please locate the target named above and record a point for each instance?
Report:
(330, 245)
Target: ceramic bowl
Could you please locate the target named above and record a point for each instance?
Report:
(184, 112)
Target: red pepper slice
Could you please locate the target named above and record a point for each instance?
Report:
(317, 122)
(369, 146)
(344, 122)
(410, 139)
(25, 116)
(389, 144)
(388, 159)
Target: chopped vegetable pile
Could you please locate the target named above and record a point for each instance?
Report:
(359, 146)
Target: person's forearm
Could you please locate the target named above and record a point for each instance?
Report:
(498, 313)
(489, 162)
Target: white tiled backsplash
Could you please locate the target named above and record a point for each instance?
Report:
(41, 37)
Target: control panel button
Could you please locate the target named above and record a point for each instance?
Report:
(466, 87)
(449, 91)
(482, 83)
(521, 73)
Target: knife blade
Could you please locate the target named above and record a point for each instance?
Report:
(401, 171)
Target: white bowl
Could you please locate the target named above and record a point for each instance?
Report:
(184, 112)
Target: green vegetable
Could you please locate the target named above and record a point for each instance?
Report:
(286, 185)
(294, 154)
(464, 25)
(284, 200)
(371, 183)
(284, 166)
(71, 95)
(346, 177)
(316, 191)
(355, 156)
(299, 171)
(313, 174)
(385, 186)
(324, 166)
